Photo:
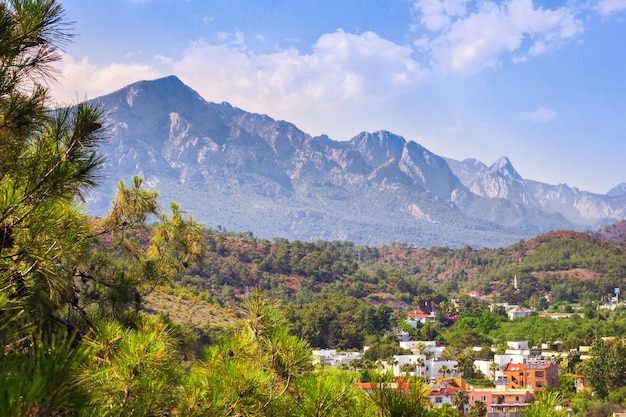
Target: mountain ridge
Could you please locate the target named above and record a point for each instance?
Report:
(247, 171)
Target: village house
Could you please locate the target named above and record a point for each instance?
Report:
(423, 347)
(418, 316)
(330, 357)
(535, 374)
(560, 315)
(501, 400)
(421, 365)
(519, 312)
(441, 394)
(516, 352)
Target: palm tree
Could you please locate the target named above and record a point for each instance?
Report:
(444, 370)
(460, 400)
(419, 364)
(545, 405)
(451, 353)
(479, 409)
(493, 368)
(391, 361)
(407, 368)
(420, 348)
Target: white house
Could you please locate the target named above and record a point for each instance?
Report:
(429, 347)
(517, 345)
(442, 394)
(430, 369)
(418, 316)
(517, 353)
(485, 367)
(402, 336)
(330, 357)
(519, 312)
(417, 363)
(433, 367)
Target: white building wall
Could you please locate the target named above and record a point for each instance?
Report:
(407, 359)
(433, 366)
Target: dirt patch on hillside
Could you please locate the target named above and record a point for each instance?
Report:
(582, 274)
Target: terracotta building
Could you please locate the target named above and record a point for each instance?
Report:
(536, 375)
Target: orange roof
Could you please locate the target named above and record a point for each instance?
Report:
(417, 314)
(448, 391)
(514, 367)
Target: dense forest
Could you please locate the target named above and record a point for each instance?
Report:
(146, 312)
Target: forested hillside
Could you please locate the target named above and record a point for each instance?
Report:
(570, 266)
(337, 294)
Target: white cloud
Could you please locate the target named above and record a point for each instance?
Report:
(79, 80)
(540, 115)
(610, 7)
(437, 14)
(469, 37)
(343, 68)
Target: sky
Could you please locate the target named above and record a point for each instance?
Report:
(543, 83)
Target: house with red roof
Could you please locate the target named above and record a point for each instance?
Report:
(418, 316)
(443, 393)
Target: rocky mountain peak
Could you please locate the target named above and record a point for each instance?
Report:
(504, 167)
(379, 147)
(618, 191)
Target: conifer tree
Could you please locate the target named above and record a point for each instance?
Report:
(68, 344)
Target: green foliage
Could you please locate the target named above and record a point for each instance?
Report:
(393, 399)
(478, 409)
(605, 370)
(251, 373)
(383, 351)
(333, 320)
(74, 340)
(135, 370)
(327, 394)
(545, 405)
(39, 379)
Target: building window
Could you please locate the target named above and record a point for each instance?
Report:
(483, 398)
(438, 400)
(540, 374)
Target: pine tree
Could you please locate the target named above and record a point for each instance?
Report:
(68, 344)
(48, 159)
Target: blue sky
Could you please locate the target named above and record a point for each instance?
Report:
(543, 83)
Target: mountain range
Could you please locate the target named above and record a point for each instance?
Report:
(242, 171)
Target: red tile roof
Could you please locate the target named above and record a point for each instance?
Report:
(514, 367)
(415, 314)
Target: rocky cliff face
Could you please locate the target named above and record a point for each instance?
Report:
(502, 181)
(248, 172)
